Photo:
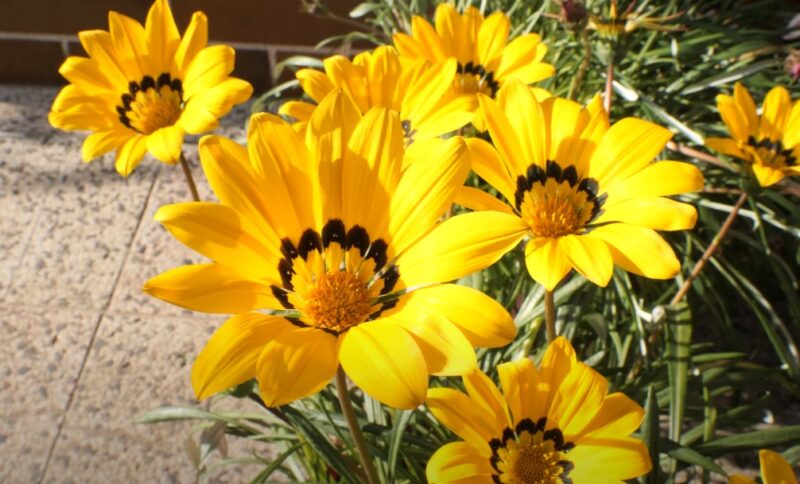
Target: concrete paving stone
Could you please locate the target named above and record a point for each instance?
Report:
(23, 109)
(82, 236)
(30, 167)
(137, 363)
(155, 250)
(42, 354)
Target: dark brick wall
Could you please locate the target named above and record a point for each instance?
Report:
(35, 35)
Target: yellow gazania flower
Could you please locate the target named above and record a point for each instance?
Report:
(774, 470)
(142, 88)
(554, 424)
(419, 92)
(330, 231)
(770, 144)
(486, 60)
(586, 194)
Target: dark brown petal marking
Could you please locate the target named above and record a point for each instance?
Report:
(333, 231)
(775, 147)
(480, 71)
(309, 241)
(358, 237)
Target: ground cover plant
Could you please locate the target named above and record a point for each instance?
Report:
(503, 241)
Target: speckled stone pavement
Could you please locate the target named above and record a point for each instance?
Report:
(82, 350)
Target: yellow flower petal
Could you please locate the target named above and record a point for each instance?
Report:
(791, 135)
(767, 175)
(525, 120)
(747, 107)
(726, 146)
(425, 192)
(165, 144)
(616, 459)
(580, 396)
(521, 60)
(193, 41)
(327, 135)
(464, 417)
(98, 44)
(370, 170)
(450, 30)
(162, 36)
(520, 380)
(201, 113)
(315, 83)
(344, 75)
(491, 167)
(208, 68)
(733, 117)
(775, 112)
(547, 262)
(299, 110)
(458, 462)
(659, 179)
(229, 358)
(131, 153)
(477, 199)
(651, 212)
(775, 469)
(283, 165)
(627, 147)
(589, 256)
(296, 363)
(445, 348)
(558, 361)
(639, 250)
(483, 392)
(223, 235)
(480, 318)
(459, 246)
(128, 39)
(492, 37)
(618, 415)
(211, 288)
(101, 142)
(384, 360)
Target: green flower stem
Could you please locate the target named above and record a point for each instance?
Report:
(687, 284)
(189, 180)
(355, 431)
(550, 315)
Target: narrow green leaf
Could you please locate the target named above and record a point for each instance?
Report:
(320, 444)
(690, 456)
(650, 436)
(262, 477)
(751, 440)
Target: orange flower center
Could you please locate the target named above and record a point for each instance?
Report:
(531, 455)
(338, 301)
(771, 153)
(335, 279)
(473, 79)
(151, 104)
(555, 202)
